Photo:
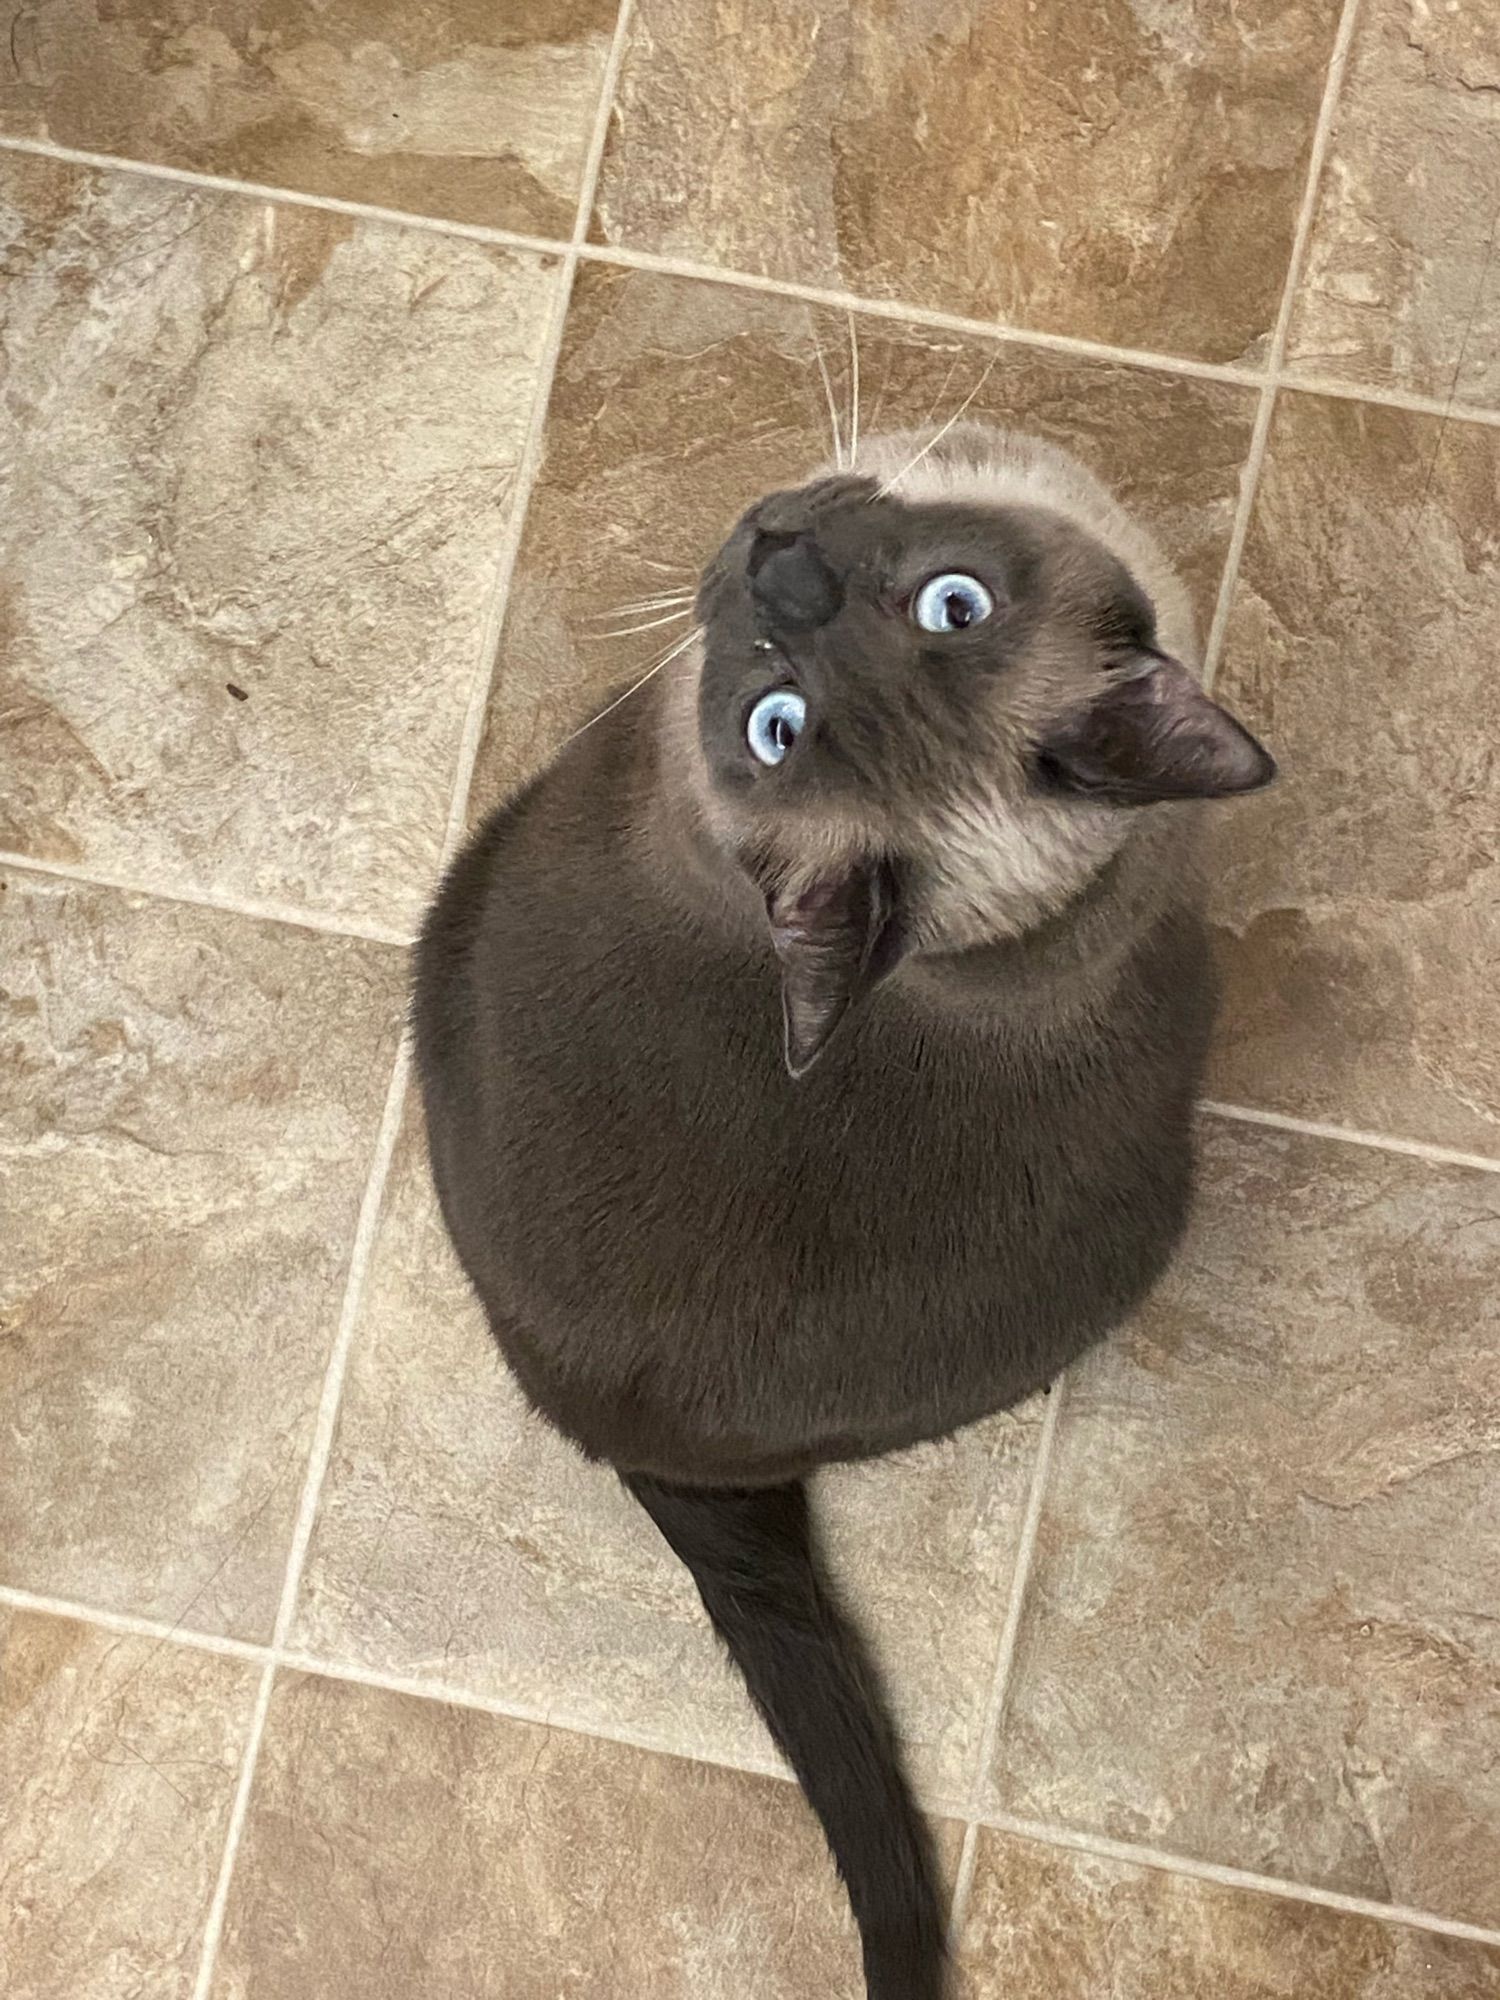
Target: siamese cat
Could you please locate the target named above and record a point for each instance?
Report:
(810, 1051)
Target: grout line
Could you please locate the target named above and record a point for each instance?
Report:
(578, 248)
(593, 159)
(134, 1627)
(464, 1698)
(1239, 534)
(1293, 380)
(924, 316)
(1316, 1128)
(1338, 62)
(1005, 1657)
(365, 211)
(312, 1486)
(333, 1380)
(390, 1125)
(1265, 409)
(506, 1710)
(419, 1687)
(1305, 382)
(471, 737)
(1268, 382)
(239, 1812)
(203, 899)
(1239, 1878)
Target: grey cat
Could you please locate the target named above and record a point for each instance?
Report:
(809, 1053)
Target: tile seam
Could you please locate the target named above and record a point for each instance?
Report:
(348, 1673)
(1307, 382)
(131, 1625)
(320, 1450)
(321, 1447)
(989, 1735)
(471, 737)
(239, 1812)
(1168, 1862)
(1296, 383)
(121, 163)
(929, 317)
(1352, 1135)
(647, 260)
(1239, 533)
(1333, 83)
(1269, 382)
(290, 915)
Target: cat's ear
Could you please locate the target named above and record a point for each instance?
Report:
(1152, 734)
(834, 938)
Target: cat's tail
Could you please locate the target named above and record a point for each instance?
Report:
(753, 1559)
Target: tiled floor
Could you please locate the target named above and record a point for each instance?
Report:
(391, 336)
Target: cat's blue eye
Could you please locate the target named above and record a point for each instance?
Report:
(775, 724)
(951, 603)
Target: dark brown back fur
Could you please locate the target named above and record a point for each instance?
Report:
(946, 913)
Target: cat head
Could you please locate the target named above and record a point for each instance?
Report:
(931, 709)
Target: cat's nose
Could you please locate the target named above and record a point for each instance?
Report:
(793, 587)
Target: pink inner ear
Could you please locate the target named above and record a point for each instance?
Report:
(814, 905)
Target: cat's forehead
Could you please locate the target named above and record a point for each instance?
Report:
(891, 541)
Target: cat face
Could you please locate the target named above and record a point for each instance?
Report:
(927, 722)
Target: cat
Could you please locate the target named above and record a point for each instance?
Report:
(810, 1052)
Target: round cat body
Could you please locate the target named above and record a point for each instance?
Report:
(809, 1052)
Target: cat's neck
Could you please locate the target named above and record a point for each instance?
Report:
(1068, 958)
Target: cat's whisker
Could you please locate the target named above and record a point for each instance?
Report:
(885, 383)
(938, 436)
(650, 625)
(668, 601)
(833, 414)
(662, 596)
(666, 568)
(635, 687)
(942, 395)
(853, 392)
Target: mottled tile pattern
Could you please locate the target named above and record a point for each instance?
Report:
(188, 1107)
(1402, 283)
(1359, 900)
(262, 459)
(1262, 1626)
(1118, 169)
(397, 1847)
(678, 403)
(461, 1540)
(118, 1763)
(260, 462)
(453, 108)
(1071, 1926)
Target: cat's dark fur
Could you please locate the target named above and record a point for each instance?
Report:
(948, 917)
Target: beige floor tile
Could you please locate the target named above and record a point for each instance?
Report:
(262, 457)
(187, 1118)
(1075, 1927)
(118, 1763)
(399, 1848)
(1128, 174)
(458, 109)
(1402, 283)
(1264, 1626)
(1359, 900)
(463, 1542)
(676, 404)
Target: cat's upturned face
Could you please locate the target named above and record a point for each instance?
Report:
(942, 707)
(930, 644)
